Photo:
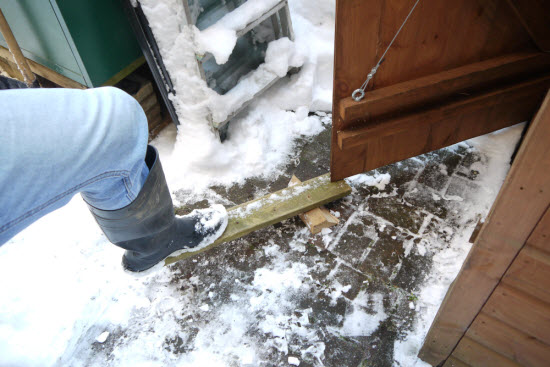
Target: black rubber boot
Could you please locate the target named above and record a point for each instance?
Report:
(148, 228)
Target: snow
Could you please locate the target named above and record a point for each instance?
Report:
(360, 322)
(63, 288)
(377, 180)
(102, 337)
(262, 138)
(293, 361)
(220, 38)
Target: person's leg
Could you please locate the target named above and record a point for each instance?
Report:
(58, 142)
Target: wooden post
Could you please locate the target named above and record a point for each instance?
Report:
(18, 56)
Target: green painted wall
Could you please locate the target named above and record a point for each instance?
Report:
(87, 41)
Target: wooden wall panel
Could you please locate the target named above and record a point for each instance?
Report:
(475, 354)
(439, 36)
(453, 362)
(509, 342)
(520, 205)
(530, 272)
(521, 311)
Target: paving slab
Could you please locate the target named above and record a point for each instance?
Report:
(340, 298)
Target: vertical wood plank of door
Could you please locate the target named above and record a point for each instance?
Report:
(520, 205)
(535, 17)
(355, 47)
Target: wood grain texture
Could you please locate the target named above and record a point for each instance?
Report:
(15, 50)
(455, 362)
(520, 310)
(509, 342)
(520, 204)
(535, 17)
(318, 218)
(540, 238)
(418, 133)
(45, 72)
(477, 355)
(439, 36)
(530, 272)
(275, 208)
(436, 88)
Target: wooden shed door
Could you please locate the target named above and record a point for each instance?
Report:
(497, 311)
(458, 69)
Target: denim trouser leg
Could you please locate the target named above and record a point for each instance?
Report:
(55, 143)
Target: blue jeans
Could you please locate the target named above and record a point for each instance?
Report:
(55, 143)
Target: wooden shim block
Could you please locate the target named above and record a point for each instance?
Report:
(476, 355)
(403, 97)
(530, 272)
(275, 208)
(535, 17)
(520, 205)
(45, 72)
(509, 342)
(318, 218)
(521, 311)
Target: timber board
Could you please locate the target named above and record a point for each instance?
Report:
(274, 208)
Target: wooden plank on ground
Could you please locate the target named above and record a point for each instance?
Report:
(276, 207)
(402, 97)
(535, 17)
(45, 72)
(520, 204)
(318, 218)
(521, 311)
(509, 342)
(477, 355)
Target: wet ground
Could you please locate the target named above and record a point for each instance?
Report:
(338, 299)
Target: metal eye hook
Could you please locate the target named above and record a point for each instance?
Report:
(358, 95)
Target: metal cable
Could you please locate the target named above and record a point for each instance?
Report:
(358, 94)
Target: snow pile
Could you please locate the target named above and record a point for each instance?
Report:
(220, 38)
(261, 138)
